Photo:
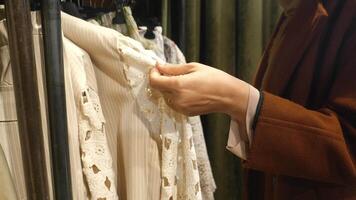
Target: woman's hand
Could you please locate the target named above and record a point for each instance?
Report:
(195, 89)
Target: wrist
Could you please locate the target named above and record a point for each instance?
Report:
(237, 100)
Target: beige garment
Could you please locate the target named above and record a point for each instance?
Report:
(130, 142)
(106, 21)
(157, 41)
(79, 188)
(7, 191)
(169, 51)
(129, 28)
(87, 125)
(8, 128)
(8, 123)
(9, 137)
(122, 64)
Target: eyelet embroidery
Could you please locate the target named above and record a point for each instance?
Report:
(95, 155)
(179, 171)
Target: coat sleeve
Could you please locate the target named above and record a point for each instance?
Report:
(317, 145)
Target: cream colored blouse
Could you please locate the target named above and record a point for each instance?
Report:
(151, 144)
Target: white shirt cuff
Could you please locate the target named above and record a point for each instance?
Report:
(235, 143)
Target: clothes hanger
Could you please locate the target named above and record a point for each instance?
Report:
(86, 9)
(35, 5)
(119, 17)
(71, 8)
(133, 29)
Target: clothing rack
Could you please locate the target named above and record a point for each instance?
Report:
(27, 98)
(57, 115)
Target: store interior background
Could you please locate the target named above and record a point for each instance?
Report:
(226, 34)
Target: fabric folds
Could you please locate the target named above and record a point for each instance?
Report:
(95, 157)
(122, 68)
(168, 51)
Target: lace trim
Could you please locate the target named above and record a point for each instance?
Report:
(207, 182)
(95, 154)
(174, 55)
(180, 176)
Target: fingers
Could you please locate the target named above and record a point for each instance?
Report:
(171, 69)
(161, 82)
(164, 77)
(174, 102)
(171, 101)
(169, 98)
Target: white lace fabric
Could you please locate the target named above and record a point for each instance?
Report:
(96, 158)
(180, 175)
(168, 51)
(94, 151)
(127, 63)
(207, 183)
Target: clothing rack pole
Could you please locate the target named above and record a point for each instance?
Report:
(27, 98)
(51, 22)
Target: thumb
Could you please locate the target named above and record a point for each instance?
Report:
(175, 69)
(161, 82)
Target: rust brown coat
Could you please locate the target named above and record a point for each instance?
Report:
(304, 143)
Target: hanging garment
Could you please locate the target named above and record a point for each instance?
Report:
(158, 40)
(8, 125)
(174, 55)
(168, 51)
(106, 21)
(207, 182)
(153, 145)
(136, 154)
(9, 135)
(133, 31)
(84, 103)
(79, 187)
(7, 191)
(156, 45)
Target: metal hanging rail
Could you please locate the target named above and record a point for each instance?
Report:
(52, 33)
(27, 98)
